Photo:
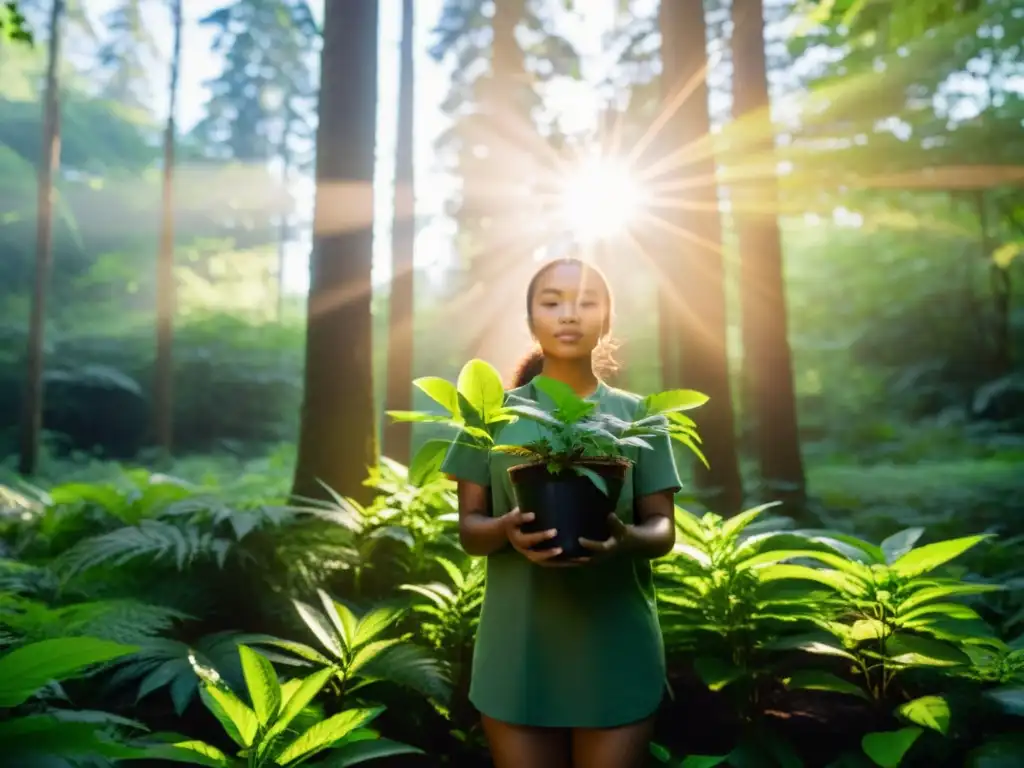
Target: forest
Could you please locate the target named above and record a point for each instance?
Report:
(225, 539)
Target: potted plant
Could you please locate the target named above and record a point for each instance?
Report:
(570, 478)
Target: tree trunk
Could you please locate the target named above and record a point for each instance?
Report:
(511, 142)
(767, 358)
(398, 436)
(695, 271)
(166, 288)
(337, 440)
(49, 162)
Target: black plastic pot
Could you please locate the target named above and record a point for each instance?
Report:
(568, 502)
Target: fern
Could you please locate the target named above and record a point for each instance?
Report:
(124, 621)
(164, 663)
(153, 539)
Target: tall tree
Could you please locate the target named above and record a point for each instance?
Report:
(767, 357)
(497, 149)
(694, 289)
(337, 440)
(49, 163)
(166, 288)
(260, 108)
(124, 55)
(398, 436)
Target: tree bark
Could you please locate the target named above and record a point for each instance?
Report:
(338, 436)
(767, 357)
(692, 259)
(398, 435)
(49, 163)
(166, 288)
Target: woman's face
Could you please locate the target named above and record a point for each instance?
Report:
(570, 311)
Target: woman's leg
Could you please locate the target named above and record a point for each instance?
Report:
(625, 746)
(520, 746)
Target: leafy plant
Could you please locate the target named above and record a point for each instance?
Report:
(265, 730)
(478, 406)
(357, 652)
(58, 735)
(724, 597)
(894, 614)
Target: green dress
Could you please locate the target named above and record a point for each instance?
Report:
(568, 647)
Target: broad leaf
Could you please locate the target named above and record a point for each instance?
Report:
(887, 748)
(735, 525)
(304, 693)
(427, 461)
(25, 670)
(673, 400)
(362, 751)
(239, 722)
(928, 711)
(923, 651)
(480, 383)
(931, 556)
(326, 732)
(599, 482)
(897, 545)
(816, 680)
(261, 680)
(441, 392)
(322, 627)
(191, 753)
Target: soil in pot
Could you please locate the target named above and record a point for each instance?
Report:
(569, 502)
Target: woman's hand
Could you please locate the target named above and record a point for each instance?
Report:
(522, 542)
(621, 536)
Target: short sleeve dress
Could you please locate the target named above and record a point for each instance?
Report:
(568, 647)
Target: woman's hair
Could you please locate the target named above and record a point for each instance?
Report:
(604, 362)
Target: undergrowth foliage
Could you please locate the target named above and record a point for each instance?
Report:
(295, 628)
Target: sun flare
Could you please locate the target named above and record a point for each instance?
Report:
(600, 199)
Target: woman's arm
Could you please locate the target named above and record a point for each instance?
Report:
(479, 533)
(654, 533)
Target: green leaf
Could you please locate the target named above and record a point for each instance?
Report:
(596, 479)
(735, 525)
(900, 543)
(304, 693)
(840, 582)
(419, 417)
(1009, 698)
(534, 414)
(427, 461)
(238, 720)
(928, 711)
(374, 622)
(887, 748)
(715, 673)
(923, 651)
(927, 594)
(320, 626)
(480, 383)
(25, 670)
(192, 753)
(672, 400)
(931, 556)
(325, 733)
(816, 680)
(363, 751)
(441, 392)
(261, 680)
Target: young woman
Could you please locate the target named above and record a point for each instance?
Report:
(568, 668)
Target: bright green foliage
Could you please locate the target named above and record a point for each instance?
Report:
(58, 734)
(269, 730)
(478, 407)
(357, 651)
